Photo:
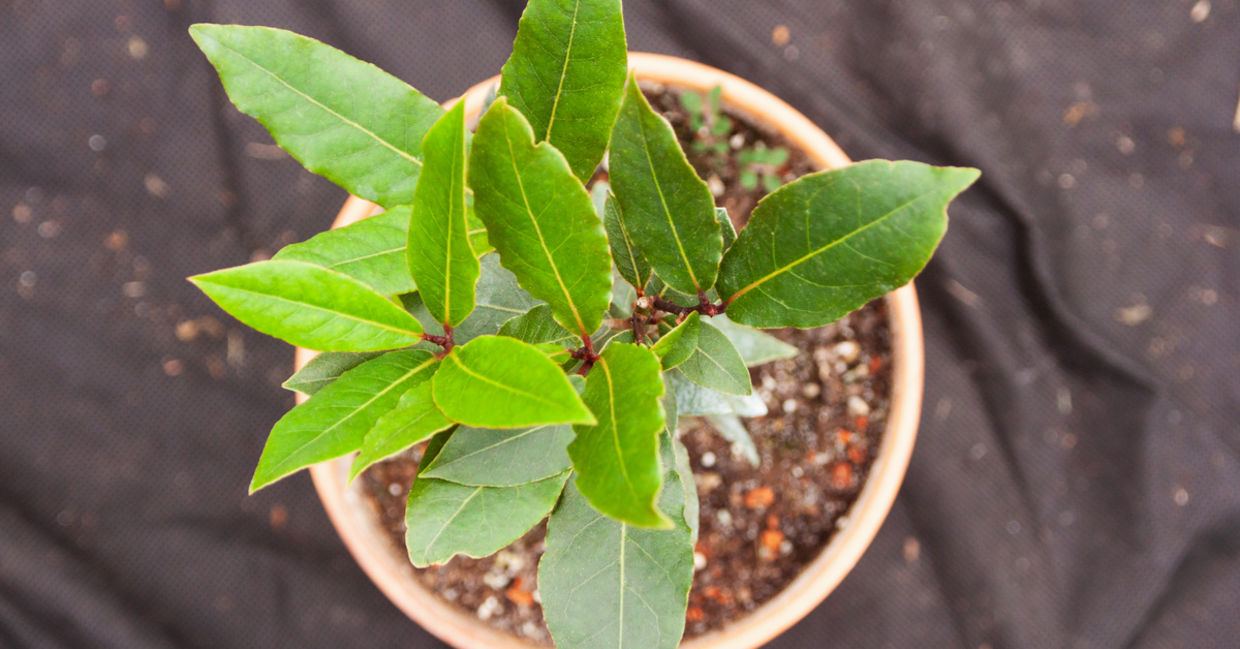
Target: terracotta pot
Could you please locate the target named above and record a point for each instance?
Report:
(389, 567)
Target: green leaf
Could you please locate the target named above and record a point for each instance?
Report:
(693, 507)
(494, 382)
(499, 299)
(754, 346)
(414, 419)
(630, 262)
(310, 306)
(826, 244)
(371, 251)
(678, 344)
(608, 585)
(715, 363)
(617, 460)
(731, 428)
(540, 219)
(342, 118)
(336, 419)
(439, 255)
(537, 326)
(491, 457)
(566, 74)
(693, 399)
(445, 519)
(325, 368)
(725, 227)
(668, 209)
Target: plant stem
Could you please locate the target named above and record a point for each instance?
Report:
(704, 307)
(446, 341)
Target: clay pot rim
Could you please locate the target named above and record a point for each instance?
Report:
(391, 571)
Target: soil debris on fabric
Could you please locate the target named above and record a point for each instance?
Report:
(760, 525)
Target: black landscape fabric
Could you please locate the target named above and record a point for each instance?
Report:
(1076, 482)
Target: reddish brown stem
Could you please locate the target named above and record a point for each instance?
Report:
(444, 341)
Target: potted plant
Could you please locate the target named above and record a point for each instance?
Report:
(563, 404)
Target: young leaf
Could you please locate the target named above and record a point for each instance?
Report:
(310, 306)
(491, 457)
(725, 227)
(540, 219)
(325, 368)
(340, 117)
(414, 419)
(445, 519)
(668, 209)
(826, 244)
(441, 259)
(679, 343)
(336, 419)
(499, 299)
(630, 262)
(566, 74)
(608, 585)
(617, 460)
(537, 326)
(494, 382)
(371, 251)
(715, 363)
(693, 399)
(754, 346)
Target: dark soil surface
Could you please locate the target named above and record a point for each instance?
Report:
(759, 525)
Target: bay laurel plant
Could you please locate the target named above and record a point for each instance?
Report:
(540, 338)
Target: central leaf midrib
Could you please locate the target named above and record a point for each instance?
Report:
(615, 428)
(506, 440)
(654, 176)
(814, 253)
(568, 55)
(353, 413)
(485, 379)
(321, 308)
(542, 242)
(448, 522)
(321, 105)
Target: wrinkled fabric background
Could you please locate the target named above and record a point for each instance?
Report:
(1077, 479)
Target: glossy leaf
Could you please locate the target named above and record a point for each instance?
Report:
(325, 368)
(336, 419)
(440, 257)
(606, 584)
(630, 262)
(494, 382)
(537, 326)
(310, 306)
(668, 209)
(826, 244)
(415, 418)
(492, 457)
(540, 219)
(444, 519)
(340, 117)
(755, 347)
(715, 363)
(679, 343)
(617, 460)
(371, 251)
(566, 75)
